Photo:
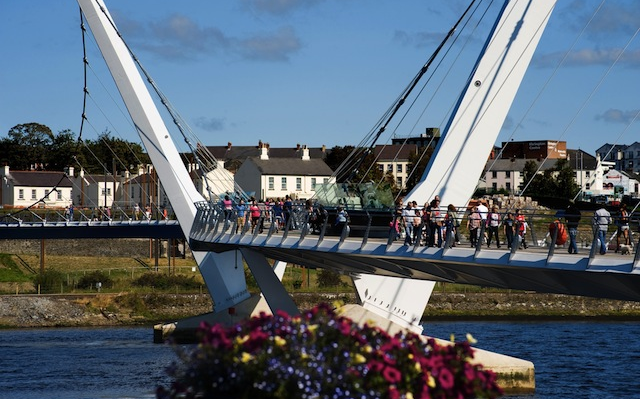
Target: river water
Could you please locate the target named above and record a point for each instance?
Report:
(573, 359)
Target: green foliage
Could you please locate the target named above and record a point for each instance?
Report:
(557, 182)
(417, 164)
(328, 278)
(88, 281)
(112, 151)
(166, 281)
(132, 301)
(353, 164)
(9, 270)
(33, 144)
(50, 282)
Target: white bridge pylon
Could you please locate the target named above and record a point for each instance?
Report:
(394, 282)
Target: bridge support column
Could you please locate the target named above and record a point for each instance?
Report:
(269, 282)
(400, 300)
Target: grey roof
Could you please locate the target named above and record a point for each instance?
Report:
(291, 166)
(226, 153)
(398, 152)
(29, 178)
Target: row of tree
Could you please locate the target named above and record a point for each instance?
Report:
(32, 146)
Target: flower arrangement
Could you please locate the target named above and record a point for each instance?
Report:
(321, 354)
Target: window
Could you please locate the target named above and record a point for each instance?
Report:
(389, 167)
(399, 168)
(21, 194)
(494, 174)
(272, 183)
(381, 167)
(313, 184)
(298, 183)
(630, 164)
(283, 184)
(507, 185)
(46, 194)
(587, 173)
(399, 181)
(59, 197)
(494, 186)
(587, 186)
(33, 194)
(325, 180)
(107, 190)
(507, 174)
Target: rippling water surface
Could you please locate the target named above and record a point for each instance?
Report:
(575, 360)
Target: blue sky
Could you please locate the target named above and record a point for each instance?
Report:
(314, 72)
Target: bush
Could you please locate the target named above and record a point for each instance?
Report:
(51, 281)
(328, 278)
(88, 281)
(166, 281)
(323, 355)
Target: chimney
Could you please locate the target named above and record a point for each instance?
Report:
(305, 153)
(297, 147)
(70, 171)
(264, 153)
(228, 145)
(5, 170)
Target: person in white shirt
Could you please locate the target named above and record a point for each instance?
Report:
(408, 214)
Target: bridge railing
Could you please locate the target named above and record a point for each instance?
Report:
(528, 229)
(77, 215)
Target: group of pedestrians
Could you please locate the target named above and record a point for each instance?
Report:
(513, 226)
(430, 225)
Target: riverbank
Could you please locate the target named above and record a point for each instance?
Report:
(29, 311)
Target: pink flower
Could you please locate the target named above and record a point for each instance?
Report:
(391, 374)
(445, 378)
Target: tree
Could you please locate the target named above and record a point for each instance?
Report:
(26, 146)
(557, 182)
(357, 167)
(105, 153)
(417, 164)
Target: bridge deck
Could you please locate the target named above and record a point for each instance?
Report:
(542, 269)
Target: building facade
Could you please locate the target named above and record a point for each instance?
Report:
(267, 177)
(41, 189)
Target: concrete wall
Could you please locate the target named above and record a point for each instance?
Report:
(84, 247)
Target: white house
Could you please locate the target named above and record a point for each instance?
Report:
(618, 183)
(43, 189)
(269, 177)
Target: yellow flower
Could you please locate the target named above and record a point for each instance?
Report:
(409, 395)
(312, 327)
(367, 349)
(431, 382)
(417, 366)
(242, 340)
(246, 357)
(471, 340)
(280, 341)
(359, 359)
(337, 304)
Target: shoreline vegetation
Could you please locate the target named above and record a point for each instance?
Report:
(146, 309)
(135, 292)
